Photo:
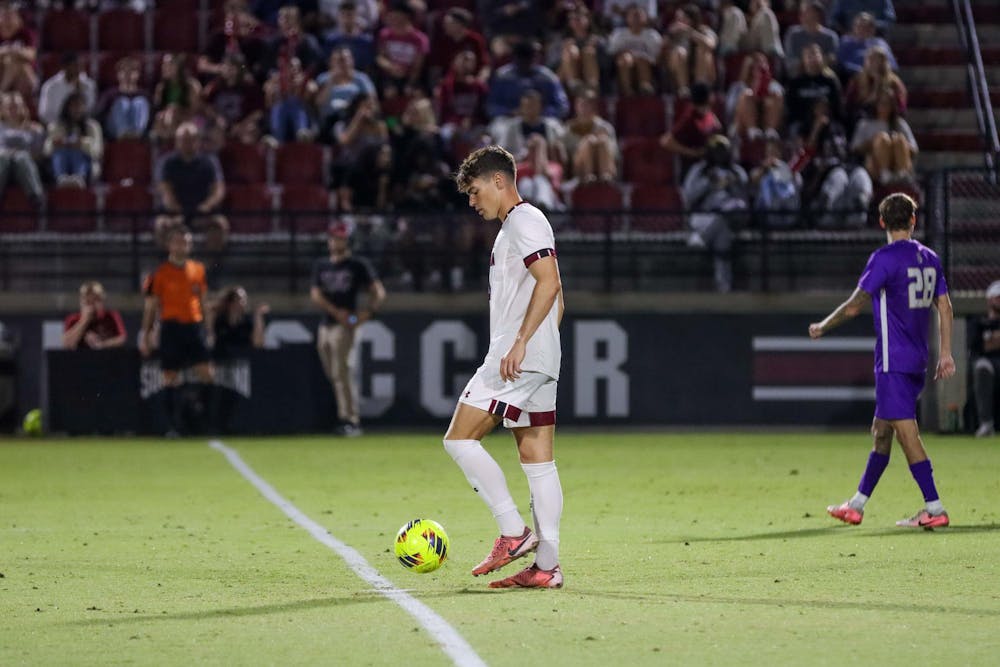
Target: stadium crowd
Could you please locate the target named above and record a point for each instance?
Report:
(365, 105)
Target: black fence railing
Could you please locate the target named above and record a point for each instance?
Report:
(598, 250)
(979, 89)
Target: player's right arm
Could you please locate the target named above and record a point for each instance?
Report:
(338, 314)
(148, 318)
(845, 311)
(946, 363)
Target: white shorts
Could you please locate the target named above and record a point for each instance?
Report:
(528, 401)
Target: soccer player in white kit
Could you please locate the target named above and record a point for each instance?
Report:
(517, 382)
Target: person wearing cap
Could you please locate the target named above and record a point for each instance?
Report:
(337, 280)
(94, 327)
(984, 344)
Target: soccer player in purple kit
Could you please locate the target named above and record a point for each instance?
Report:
(903, 279)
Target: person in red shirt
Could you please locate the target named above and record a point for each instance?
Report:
(18, 52)
(457, 36)
(689, 135)
(94, 327)
(402, 50)
(461, 99)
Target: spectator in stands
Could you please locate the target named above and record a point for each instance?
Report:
(18, 52)
(523, 73)
(732, 27)
(94, 327)
(536, 141)
(810, 30)
(815, 82)
(337, 87)
(292, 42)
(240, 33)
(233, 101)
(402, 51)
(361, 128)
(21, 141)
(581, 55)
(885, 142)
(354, 33)
(365, 12)
(690, 132)
(854, 47)
(715, 191)
(125, 108)
(763, 33)
(835, 192)
(456, 36)
(288, 96)
(369, 184)
(865, 86)
(70, 79)
(510, 22)
(177, 97)
(590, 142)
(691, 54)
(984, 350)
(615, 12)
(421, 169)
(191, 189)
(843, 12)
(636, 48)
(461, 101)
(755, 102)
(75, 144)
(776, 187)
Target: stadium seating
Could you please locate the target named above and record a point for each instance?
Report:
(251, 208)
(122, 200)
(18, 214)
(66, 30)
(243, 163)
(128, 160)
(175, 31)
(121, 30)
(601, 199)
(72, 210)
(650, 197)
(645, 161)
(643, 116)
(298, 162)
(308, 207)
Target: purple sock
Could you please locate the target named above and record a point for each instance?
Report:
(924, 476)
(873, 472)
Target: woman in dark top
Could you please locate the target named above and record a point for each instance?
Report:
(234, 329)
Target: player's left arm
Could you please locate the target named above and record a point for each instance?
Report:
(946, 363)
(548, 288)
(376, 297)
(845, 311)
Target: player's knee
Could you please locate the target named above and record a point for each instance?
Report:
(456, 448)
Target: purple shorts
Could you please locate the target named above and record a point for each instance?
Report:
(896, 395)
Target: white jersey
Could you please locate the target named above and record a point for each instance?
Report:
(525, 237)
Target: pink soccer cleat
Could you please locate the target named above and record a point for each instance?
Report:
(506, 550)
(926, 520)
(532, 577)
(845, 513)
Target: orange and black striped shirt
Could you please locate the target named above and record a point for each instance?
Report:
(180, 290)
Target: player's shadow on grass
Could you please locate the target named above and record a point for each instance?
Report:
(830, 530)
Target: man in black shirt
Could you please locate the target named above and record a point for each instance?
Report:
(191, 190)
(336, 282)
(984, 343)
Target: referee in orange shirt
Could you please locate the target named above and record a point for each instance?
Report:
(176, 292)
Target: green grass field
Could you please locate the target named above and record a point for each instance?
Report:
(686, 549)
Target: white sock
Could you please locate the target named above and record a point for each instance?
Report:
(934, 507)
(546, 506)
(858, 502)
(487, 479)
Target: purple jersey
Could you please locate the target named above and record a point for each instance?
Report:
(903, 278)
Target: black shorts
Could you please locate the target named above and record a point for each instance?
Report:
(182, 345)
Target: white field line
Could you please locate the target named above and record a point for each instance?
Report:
(459, 650)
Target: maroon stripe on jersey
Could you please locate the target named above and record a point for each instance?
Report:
(812, 368)
(542, 418)
(493, 260)
(537, 255)
(512, 210)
